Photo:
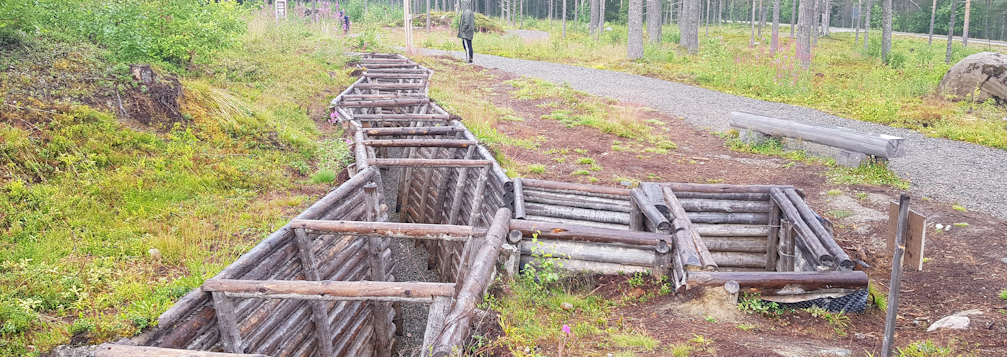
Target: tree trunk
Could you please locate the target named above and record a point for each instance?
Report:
(774, 45)
(886, 29)
(867, 25)
(804, 29)
(654, 20)
(762, 16)
(951, 30)
(933, 16)
(576, 13)
(689, 25)
(793, 17)
(601, 16)
(859, 20)
(635, 28)
(965, 28)
(551, 5)
(564, 17)
(707, 18)
(592, 25)
(751, 43)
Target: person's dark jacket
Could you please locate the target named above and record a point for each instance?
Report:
(467, 22)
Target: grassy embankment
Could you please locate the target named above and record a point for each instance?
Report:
(843, 80)
(85, 195)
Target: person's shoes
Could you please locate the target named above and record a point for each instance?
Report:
(470, 60)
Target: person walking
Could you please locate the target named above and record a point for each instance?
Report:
(466, 28)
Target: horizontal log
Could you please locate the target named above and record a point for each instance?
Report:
(401, 116)
(380, 96)
(728, 218)
(583, 214)
(375, 60)
(720, 188)
(778, 280)
(615, 227)
(415, 130)
(575, 187)
(650, 213)
(594, 252)
(441, 143)
(879, 145)
(110, 350)
(594, 267)
(330, 290)
(390, 86)
(739, 196)
(727, 206)
(732, 230)
(397, 75)
(570, 232)
(575, 200)
(384, 103)
(737, 244)
(429, 162)
(736, 259)
(393, 230)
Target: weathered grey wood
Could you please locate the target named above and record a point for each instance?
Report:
(778, 280)
(319, 315)
(383, 329)
(731, 230)
(441, 143)
(478, 195)
(425, 190)
(384, 103)
(773, 238)
(583, 214)
(823, 234)
(576, 195)
(330, 290)
(531, 217)
(402, 117)
(428, 162)
(879, 145)
(111, 350)
(895, 284)
(739, 196)
(390, 86)
(576, 187)
(636, 218)
(737, 244)
(227, 323)
(575, 200)
(588, 251)
(656, 196)
(392, 230)
(441, 205)
(435, 322)
(683, 225)
(382, 96)
(728, 218)
(588, 266)
(720, 188)
(519, 212)
(571, 232)
(738, 259)
(787, 246)
(651, 213)
(360, 150)
(419, 130)
(726, 206)
(804, 233)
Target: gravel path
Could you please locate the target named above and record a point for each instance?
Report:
(946, 170)
(530, 34)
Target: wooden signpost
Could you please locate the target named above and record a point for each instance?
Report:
(916, 236)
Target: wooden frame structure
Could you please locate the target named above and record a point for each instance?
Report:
(324, 284)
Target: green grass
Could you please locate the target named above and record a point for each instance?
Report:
(586, 161)
(835, 192)
(1003, 294)
(839, 213)
(536, 168)
(959, 208)
(635, 340)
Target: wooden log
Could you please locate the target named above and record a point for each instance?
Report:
(587, 251)
(456, 327)
(773, 238)
(650, 212)
(728, 218)
(497, 171)
(617, 227)
(441, 204)
(402, 117)
(583, 214)
(879, 145)
(381, 96)
(740, 196)
(353, 330)
(824, 237)
(787, 247)
(575, 200)
(737, 244)
(778, 280)
(392, 230)
(576, 187)
(397, 75)
(731, 230)
(360, 150)
(425, 185)
(374, 58)
(441, 143)
(111, 350)
(581, 195)
(656, 196)
(720, 188)
(478, 195)
(804, 233)
(636, 218)
(519, 212)
(589, 266)
(419, 130)
(390, 86)
(683, 225)
(567, 232)
(319, 314)
(384, 103)
(737, 259)
(726, 206)
(330, 290)
(435, 322)
(428, 163)
(227, 323)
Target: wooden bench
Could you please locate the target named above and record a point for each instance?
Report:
(856, 146)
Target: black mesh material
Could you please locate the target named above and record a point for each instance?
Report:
(851, 303)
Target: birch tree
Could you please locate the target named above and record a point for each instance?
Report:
(859, 20)
(793, 17)
(635, 27)
(751, 43)
(965, 28)
(592, 25)
(654, 20)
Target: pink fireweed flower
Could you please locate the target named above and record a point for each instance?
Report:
(566, 329)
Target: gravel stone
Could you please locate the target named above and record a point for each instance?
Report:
(947, 170)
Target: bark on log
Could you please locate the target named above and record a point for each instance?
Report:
(392, 230)
(773, 238)
(593, 252)
(331, 290)
(805, 234)
(787, 247)
(826, 239)
(731, 230)
(407, 117)
(560, 231)
(743, 260)
(418, 130)
(227, 323)
(879, 145)
(778, 280)
(723, 196)
(736, 244)
(110, 350)
(428, 162)
(583, 214)
(440, 143)
(435, 322)
(720, 188)
(319, 314)
(726, 206)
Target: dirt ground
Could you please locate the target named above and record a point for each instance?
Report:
(965, 269)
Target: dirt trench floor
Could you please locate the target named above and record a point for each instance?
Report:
(966, 266)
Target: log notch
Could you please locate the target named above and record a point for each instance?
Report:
(456, 327)
(683, 227)
(826, 239)
(818, 254)
(878, 145)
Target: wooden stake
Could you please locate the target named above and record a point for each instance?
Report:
(895, 286)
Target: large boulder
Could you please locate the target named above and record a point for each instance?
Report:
(978, 77)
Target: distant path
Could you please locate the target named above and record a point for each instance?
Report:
(951, 171)
(530, 34)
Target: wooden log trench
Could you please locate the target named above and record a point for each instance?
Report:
(404, 131)
(568, 232)
(428, 162)
(329, 290)
(686, 234)
(112, 350)
(384, 103)
(824, 237)
(393, 230)
(808, 281)
(804, 233)
(444, 143)
(879, 145)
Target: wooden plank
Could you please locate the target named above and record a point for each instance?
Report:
(110, 350)
(916, 236)
(879, 145)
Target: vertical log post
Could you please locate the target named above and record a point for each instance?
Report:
(662, 259)
(435, 323)
(319, 309)
(635, 215)
(442, 190)
(896, 284)
(787, 246)
(383, 329)
(407, 175)
(456, 199)
(227, 322)
(428, 174)
(518, 199)
(478, 195)
(774, 237)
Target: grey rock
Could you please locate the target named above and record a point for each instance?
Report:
(953, 322)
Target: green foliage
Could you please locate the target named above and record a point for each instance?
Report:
(635, 340)
(636, 280)
(753, 303)
(323, 176)
(838, 321)
(536, 168)
(1003, 294)
(926, 349)
(839, 213)
(870, 174)
(586, 161)
(880, 299)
